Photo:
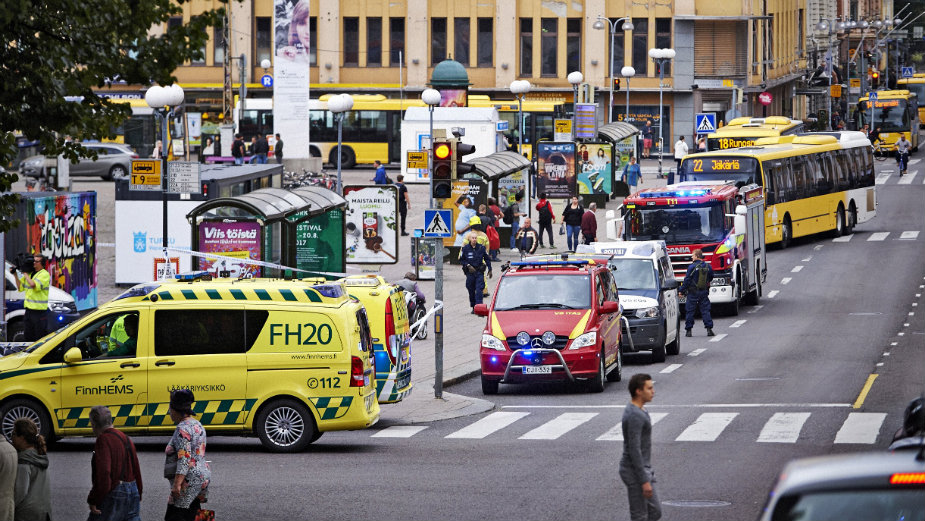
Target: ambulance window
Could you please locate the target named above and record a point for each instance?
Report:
(113, 336)
(204, 332)
(366, 337)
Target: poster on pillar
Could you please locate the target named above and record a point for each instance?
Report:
(371, 224)
(638, 116)
(476, 191)
(291, 67)
(556, 175)
(595, 168)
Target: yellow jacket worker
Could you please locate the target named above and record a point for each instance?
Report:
(35, 286)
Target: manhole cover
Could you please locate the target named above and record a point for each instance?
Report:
(695, 503)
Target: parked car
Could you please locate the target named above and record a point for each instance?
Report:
(113, 161)
(62, 310)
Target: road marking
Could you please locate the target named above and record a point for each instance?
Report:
(707, 427)
(616, 432)
(914, 161)
(689, 406)
(773, 293)
(399, 431)
(696, 352)
(817, 247)
(738, 323)
(786, 280)
(783, 427)
(555, 428)
(907, 179)
(671, 368)
(843, 238)
(796, 269)
(807, 259)
(487, 425)
(860, 427)
(879, 236)
(883, 176)
(755, 309)
(909, 236)
(718, 337)
(866, 389)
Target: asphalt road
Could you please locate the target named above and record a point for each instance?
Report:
(781, 381)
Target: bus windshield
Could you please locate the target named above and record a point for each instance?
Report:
(685, 225)
(742, 170)
(890, 115)
(917, 88)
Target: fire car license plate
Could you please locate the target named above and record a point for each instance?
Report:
(537, 369)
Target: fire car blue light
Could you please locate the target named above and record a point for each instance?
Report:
(528, 353)
(494, 359)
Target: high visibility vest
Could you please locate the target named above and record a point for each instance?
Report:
(37, 297)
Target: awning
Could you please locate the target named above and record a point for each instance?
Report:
(499, 164)
(321, 199)
(617, 131)
(266, 203)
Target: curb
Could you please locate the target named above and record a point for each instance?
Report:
(448, 382)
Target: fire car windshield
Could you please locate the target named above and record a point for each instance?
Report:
(543, 291)
(742, 170)
(684, 225)
(634, 273)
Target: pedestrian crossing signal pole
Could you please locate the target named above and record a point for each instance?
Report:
(438, 320)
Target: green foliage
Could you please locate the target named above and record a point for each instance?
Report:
(58, 48)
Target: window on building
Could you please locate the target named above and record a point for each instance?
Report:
(756, 52)
(218, 45)
(770, 34)
(313, 41)
(801, 36)
(549, 46)
(573, 45)
(640, 44)
(437, 40)
(618, 58)
(526, 47)
(174, 21)
(351, 41)
(486, 42)
(461, 41)
(396, 40)
(663, 38)
(374, 42)
(263, 43)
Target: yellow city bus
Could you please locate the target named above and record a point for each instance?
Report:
(895, 112)
(743, 132)
(813, 182)
(141, 130)
(372, 128)
(915, 84)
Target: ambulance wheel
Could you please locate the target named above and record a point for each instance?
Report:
(25, 408)
(617, 373)
(489, 386)
(841, 227)
(658, 351)
(675, 347)
(596, 384)
(285, 426)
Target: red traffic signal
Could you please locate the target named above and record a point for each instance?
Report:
(442, 169)
(616, 84)
(442, 150)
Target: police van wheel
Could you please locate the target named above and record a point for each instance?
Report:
(658, 351)
(285, 426)
(489, 386)
(675, 347)
(25, 408)
(596, 384)
(17, 331)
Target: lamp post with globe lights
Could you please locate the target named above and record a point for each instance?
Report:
(627, 26)
(831, 28)
(163, 100)
(575, 78)
(431, 98)
(627, 72)
(339, 105)
(520, 88)
(661, 57)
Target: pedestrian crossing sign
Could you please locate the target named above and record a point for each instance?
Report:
(436, 223)
(706, 123)
(908, 72)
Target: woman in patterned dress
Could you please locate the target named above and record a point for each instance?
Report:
(187, 447)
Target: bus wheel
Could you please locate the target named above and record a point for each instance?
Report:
(840, 224)
(851, 219)
(314, 152)
(787, 235)
(347, 157)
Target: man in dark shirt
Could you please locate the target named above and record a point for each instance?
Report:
(278, 149)
(404, 202)
(116, 492)
(697, 290)
(237, 149)
(475, 261)
(261, 149)
(636, 463)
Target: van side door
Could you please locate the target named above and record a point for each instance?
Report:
(669, 298)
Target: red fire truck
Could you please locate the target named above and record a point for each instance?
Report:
(724, 221)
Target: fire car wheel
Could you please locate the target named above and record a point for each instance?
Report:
(596, 384)
(616, 374)
(25, 408)
(285, 426)
(489, 386)
(733, 307)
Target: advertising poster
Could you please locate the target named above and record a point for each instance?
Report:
(639, 114)
(319, 243)
(424, 258)
(509, 186)
(291, 67)
(477, 192)
(63, 229)
(454, 98)
(232, 239)
(556, 175)
(595, 168)
(371, 224)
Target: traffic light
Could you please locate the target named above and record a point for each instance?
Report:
(875, 80)
(460, 150)
(616, 84)
(443, 169)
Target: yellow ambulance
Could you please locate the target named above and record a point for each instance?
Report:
(287, 360)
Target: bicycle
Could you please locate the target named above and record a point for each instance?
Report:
(880, 151)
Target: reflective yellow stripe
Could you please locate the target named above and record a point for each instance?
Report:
(580, 327)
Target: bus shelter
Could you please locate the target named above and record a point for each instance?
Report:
(623, 138)
(506, 173)
(316, 236)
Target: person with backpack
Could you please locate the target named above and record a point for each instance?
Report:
(546, 219)
(696, 286)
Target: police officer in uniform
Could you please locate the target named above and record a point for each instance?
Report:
(697, 297)
(475, 260)
(35, 286)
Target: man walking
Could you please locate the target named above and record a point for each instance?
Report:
(278, 150)
(381, 178)
(636, 463)
(696, 286)
(237, 149)
(404, 201)
(680, 150)
(261, 149)
(117, 488)
(589, 224)
(903, 146)
(647, 135)
(475, 261)
(544, 207)
(35, 287)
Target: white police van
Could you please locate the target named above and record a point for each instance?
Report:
(648, 294)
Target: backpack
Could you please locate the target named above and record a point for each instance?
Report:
(508, 215)
(494, 240)
(702, 276)
(545, 213)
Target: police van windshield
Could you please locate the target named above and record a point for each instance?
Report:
(676, 225)
(543, 292)
(634, 273)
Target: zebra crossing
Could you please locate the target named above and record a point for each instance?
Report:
(908, 235)
(779, 427)
(893, 177)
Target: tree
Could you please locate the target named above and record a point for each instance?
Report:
(58, 49)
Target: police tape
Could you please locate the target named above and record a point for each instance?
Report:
(422, 322)
(252, 262)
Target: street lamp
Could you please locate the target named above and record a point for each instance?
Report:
(520, 88)
(830, 28)
(431, 98)
(163, 100)
(575, 78)
(661, 57)
(627, 26)
(339, 104)
(627, 72)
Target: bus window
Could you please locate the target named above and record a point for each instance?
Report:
(798, 165)
(771, 170)
(813, 177)
(845, 170)
(371, 125)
